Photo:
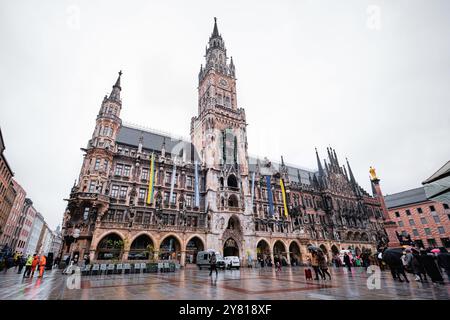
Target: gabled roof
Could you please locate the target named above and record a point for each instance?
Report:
(405, 198)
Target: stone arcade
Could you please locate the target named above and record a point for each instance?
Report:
(107, 215)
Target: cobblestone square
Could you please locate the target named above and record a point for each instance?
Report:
(191, 283)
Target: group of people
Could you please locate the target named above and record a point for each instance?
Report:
(319, 263)
(422, 263)
(31, 263)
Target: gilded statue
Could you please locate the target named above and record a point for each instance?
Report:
(373, 175)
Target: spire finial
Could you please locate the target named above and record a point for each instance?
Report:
(215, 30)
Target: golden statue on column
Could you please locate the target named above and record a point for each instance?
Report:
(373, 175)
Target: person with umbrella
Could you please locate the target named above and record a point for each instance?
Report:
(315, 262)
(443, 258)
(392, 257)
(417, 266)
(430, 265)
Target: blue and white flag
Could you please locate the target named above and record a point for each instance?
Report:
(269, 195)
(253, 189)
(172, 183)
(197, 194)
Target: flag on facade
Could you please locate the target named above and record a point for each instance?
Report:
(283, 193)
(172, 183)
(151, 178)
(197, 193)
(269, 195)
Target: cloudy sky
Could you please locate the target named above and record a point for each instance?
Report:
(369, 78)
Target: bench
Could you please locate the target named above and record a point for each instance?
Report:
(95, 269)
(110, 269)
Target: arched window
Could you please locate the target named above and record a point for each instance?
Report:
(232, 182)
(233, 201)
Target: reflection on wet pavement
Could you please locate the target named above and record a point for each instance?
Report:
(191, 283)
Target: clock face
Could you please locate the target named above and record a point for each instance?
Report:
(223, 82)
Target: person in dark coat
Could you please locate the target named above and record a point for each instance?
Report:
(21, 261)
(430, 265)
(443, 259)
(347, 262)
(417, 266)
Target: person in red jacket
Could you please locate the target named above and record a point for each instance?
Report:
(42, 263)
(34, 264)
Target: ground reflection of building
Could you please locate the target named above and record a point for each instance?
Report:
(108, 216)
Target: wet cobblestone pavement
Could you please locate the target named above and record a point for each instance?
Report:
(191, 283)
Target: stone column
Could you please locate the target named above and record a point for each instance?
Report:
(183, 258)
(125, 255)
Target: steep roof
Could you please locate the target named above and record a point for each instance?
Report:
(153, 141)
(405, 198)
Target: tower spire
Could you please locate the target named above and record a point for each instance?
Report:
(352, 178)
(215, 30)
(115, 93)
(319, 164)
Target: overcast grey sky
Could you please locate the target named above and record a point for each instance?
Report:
(310, 73)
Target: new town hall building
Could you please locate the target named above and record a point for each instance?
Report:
(207, 192)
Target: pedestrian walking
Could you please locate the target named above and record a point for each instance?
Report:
(28, 264)
(278, 266)
(213, 263)
(323, 265)
(42, 263)
(347, 262)
(315, 265)
(34, 264)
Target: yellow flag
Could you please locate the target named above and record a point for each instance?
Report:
(283, 192)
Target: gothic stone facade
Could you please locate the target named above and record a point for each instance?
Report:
(108, 216)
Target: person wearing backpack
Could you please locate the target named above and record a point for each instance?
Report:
(213, 263)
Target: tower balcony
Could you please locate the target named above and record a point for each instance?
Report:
(86, 196)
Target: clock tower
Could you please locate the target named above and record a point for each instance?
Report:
(218, 133)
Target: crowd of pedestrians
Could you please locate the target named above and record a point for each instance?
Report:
(32, 263)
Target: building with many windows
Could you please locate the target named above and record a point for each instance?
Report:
(7, 192)
(10, 236)
(424, 221)
(207, 193)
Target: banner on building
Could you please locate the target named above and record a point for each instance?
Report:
(151, 178)
(283, 193)
(172, 183)
(197, 193)
(253, 189)
(269, 195)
